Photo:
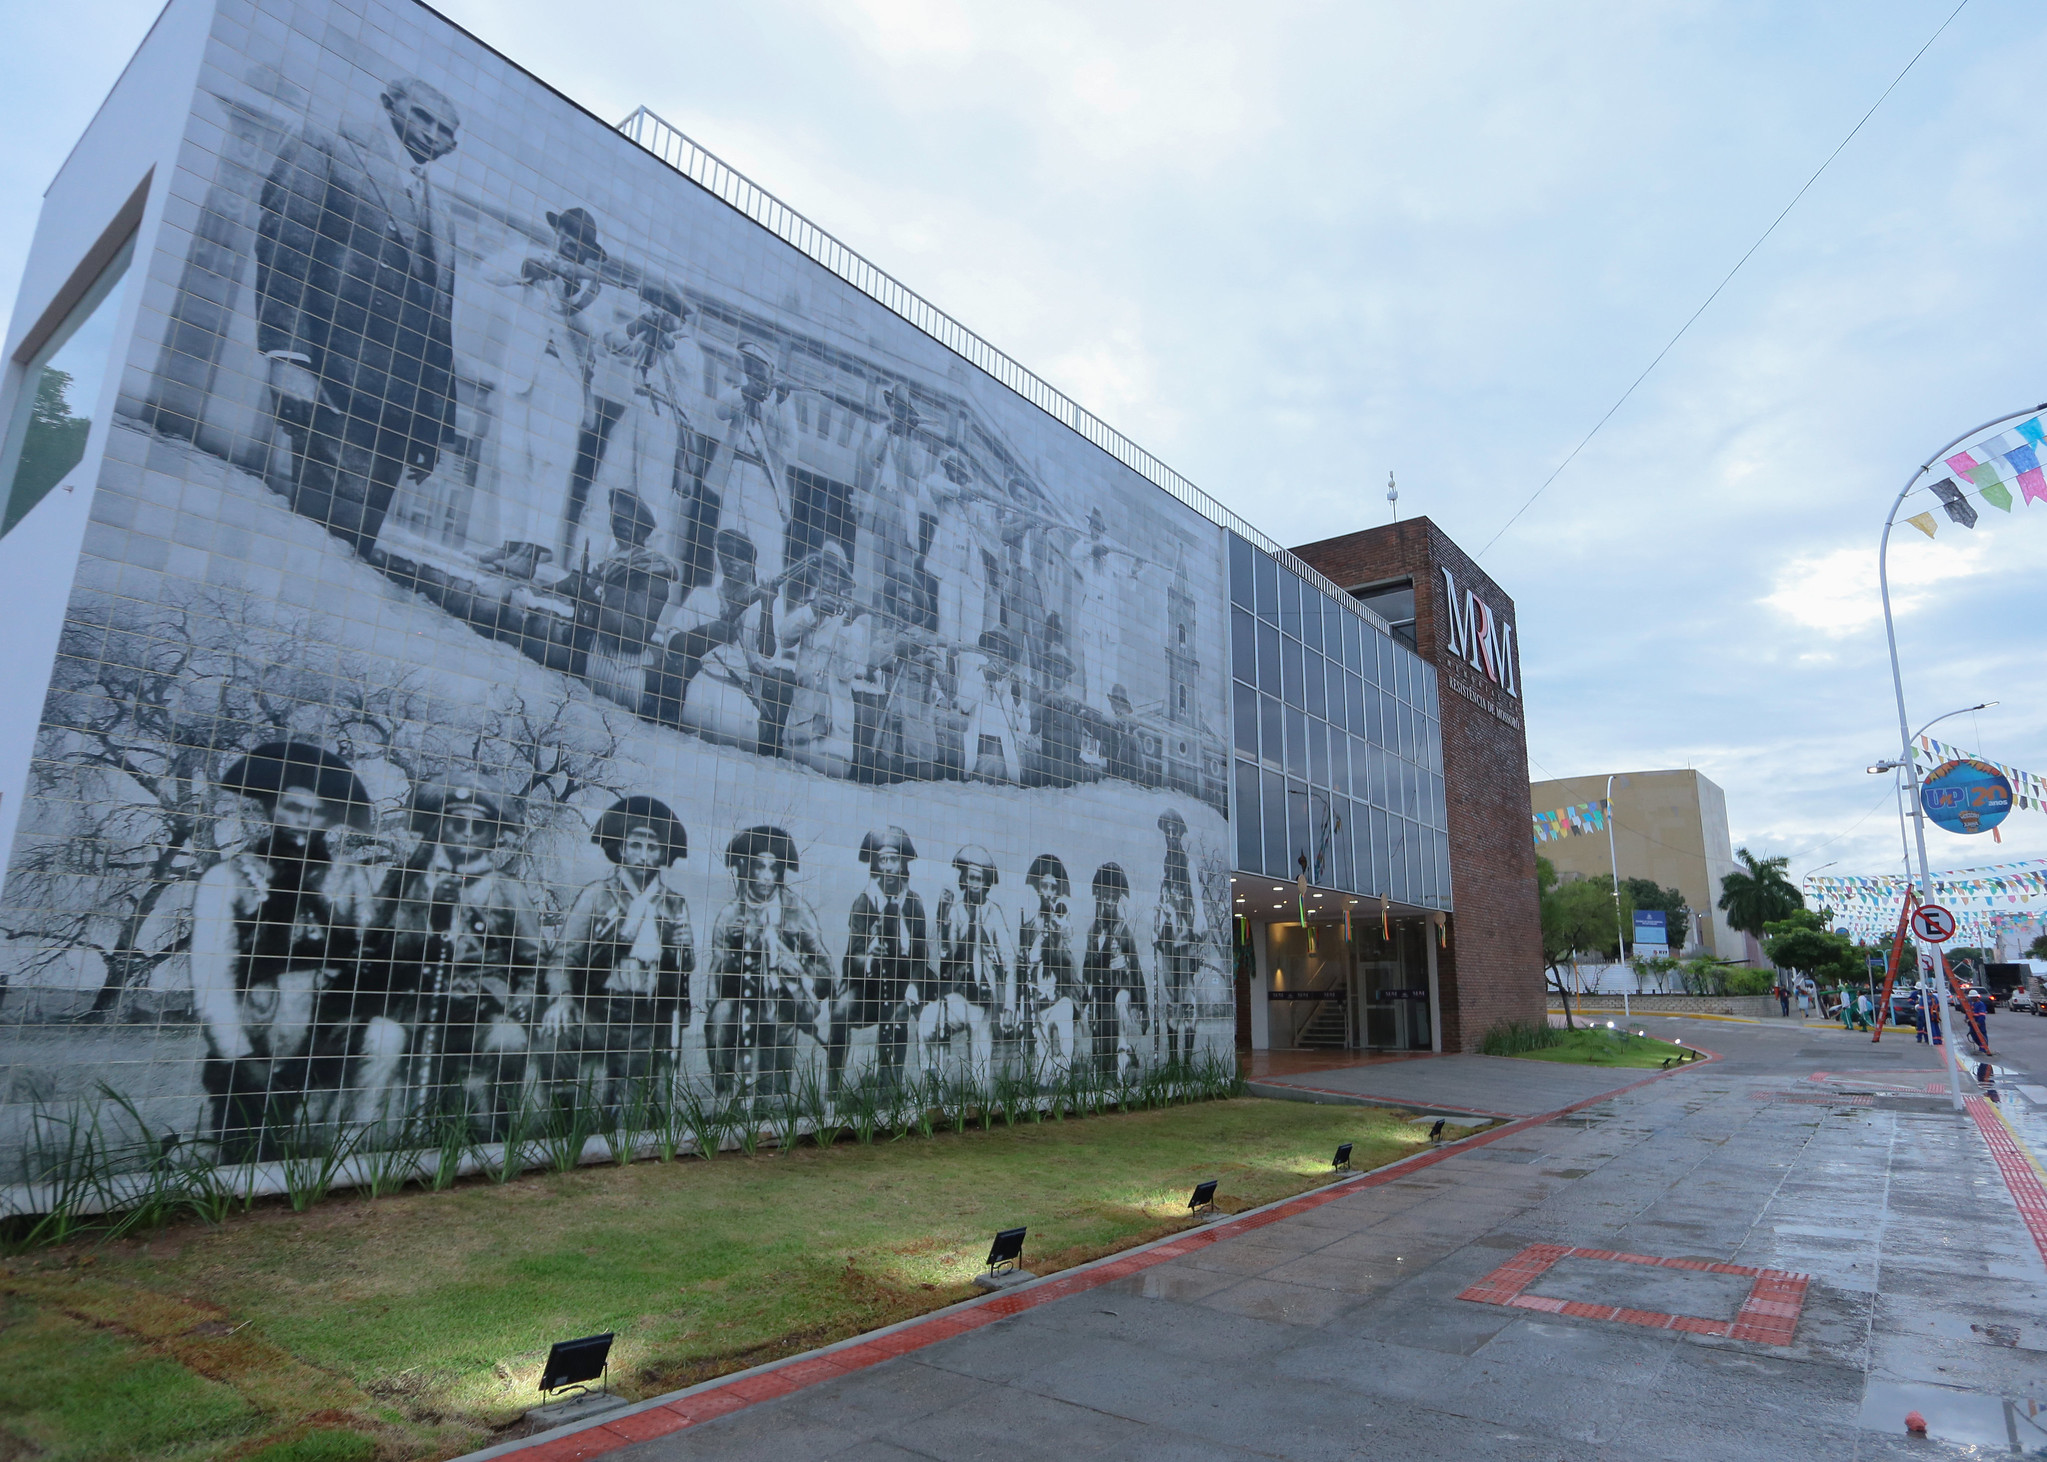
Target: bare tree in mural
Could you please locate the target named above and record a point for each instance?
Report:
(145, 708)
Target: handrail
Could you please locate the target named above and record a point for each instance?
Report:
(726, 183)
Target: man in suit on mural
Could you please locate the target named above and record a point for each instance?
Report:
(355, 306)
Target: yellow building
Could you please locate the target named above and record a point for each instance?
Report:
(1670, 827)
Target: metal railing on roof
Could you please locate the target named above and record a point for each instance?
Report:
(728, 184)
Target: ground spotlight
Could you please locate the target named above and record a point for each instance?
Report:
(1436, 1132)
(576, 1363)
(1005, 1261)
(1204, 1196)
(1342, 1163)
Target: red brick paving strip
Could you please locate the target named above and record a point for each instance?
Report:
(2019, 1175)
(732, 1393)
(1769, 1315)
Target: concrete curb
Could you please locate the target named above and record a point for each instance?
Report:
(723, 1395)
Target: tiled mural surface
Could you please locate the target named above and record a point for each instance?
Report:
(538, 632)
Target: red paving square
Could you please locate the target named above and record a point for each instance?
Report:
(1768, 1316)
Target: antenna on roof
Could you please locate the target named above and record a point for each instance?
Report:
(1393, 496)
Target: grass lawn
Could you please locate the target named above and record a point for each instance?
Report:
(415, 1324)
(1601, 1047)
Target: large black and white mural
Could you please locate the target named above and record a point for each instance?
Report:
(537, 630)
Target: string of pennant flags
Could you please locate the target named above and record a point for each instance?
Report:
(2027, 788)
(1992, 883)
(1579, 817)
(1984, 467)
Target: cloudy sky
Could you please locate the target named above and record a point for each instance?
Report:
(1291, 247)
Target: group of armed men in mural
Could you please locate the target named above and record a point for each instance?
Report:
(650, 530)
(340, 983)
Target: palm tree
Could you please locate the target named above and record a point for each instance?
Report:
(1761, 895)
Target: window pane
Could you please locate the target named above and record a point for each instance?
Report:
(1243, 646)
(59, 394)
(1268, 659)
(1386, 656)
(1318, 753)
(1382, 878)
(1298, 833)
(1396, 857)
(1244, 704)
(1272, 789)
(1335, 710)
(1290, 671)
(1354, 704)
(1311, 616)
(1339, 762)
(1290, 602)
(1353, 632)
(1242, 555)
(1296, 743)
(1250, 849)
(1271, 730)
(1317, 701)
(1266, 576)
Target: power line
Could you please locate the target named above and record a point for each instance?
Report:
(1586, 440)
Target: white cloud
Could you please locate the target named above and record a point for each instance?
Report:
(1836, 593)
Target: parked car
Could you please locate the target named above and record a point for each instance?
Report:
(2022, 1002)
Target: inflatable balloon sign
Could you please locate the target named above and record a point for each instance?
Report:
(1966, 796)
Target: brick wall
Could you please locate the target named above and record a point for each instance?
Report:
(1492, 968)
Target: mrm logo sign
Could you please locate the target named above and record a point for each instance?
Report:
(1478, 636)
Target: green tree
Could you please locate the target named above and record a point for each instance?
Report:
(1578, 915)
(2038, 948)
(55, 439)
(1802, 941)
(1758, 894)
(1646, 893)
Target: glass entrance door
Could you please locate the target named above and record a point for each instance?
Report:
(1394, 975)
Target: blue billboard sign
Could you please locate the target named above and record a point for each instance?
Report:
(1652, 926)
(1966, 796)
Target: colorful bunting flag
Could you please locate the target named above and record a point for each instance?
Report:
(1923, 522)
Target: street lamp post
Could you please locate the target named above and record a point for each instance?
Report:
(1899, 789)
(1620, 947)
(1883, 580)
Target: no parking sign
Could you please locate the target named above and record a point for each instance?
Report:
(1933, 924)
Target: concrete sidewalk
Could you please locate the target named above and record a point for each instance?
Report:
(1492, 1086)
(1736, 1262)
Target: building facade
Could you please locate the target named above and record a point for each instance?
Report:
(498, 617)
(1461, 625)
(1669, 827)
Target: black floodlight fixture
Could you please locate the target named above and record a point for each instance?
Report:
(576, 1363)
(1342, 1162)
(1436, 1132)
(1007, 1250)
(1204, 1195)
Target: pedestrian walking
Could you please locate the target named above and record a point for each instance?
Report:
(1784, 1000)
(1864, 1009)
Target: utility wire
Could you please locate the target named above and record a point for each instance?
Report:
(1724, 282)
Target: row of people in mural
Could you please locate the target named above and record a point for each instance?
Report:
(653, 533)
(336, 984)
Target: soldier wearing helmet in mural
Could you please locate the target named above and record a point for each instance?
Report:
(1050, 978)
(621, 987)
(1117, 1003)
(465, 950)
(769, 968)
(887, 967)
(1180, 939)
(269, 940)
(976, 990)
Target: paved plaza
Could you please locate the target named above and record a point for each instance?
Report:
(1774, 1255)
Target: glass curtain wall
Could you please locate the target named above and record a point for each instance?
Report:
(1338, 749)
